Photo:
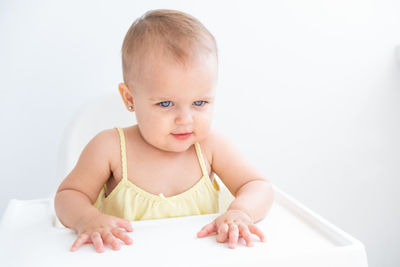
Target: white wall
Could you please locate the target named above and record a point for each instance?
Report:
(309, 90)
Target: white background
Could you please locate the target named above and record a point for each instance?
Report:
(308, 90)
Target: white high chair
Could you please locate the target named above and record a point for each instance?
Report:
(31, 236)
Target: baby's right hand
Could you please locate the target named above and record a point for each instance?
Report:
(101, 228)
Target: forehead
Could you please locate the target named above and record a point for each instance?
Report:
(168, 78)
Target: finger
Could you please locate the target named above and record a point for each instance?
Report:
(110, 240)
(222, 233)
(255, 230)
(97, 242)
(233, 235)
(207, 229)
(125, 224)
(244, 231)
(121, 235)
(82, 239)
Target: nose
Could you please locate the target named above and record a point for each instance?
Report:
(184, 117)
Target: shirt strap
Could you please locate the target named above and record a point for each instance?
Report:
(201, 159)
(123, 153)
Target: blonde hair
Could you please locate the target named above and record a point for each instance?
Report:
(172, 33)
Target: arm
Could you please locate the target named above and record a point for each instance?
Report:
(77, 193)
(253, 193)
(254, 198)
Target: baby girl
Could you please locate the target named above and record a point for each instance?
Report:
(164, 165)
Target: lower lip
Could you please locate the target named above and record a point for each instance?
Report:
(182, 136)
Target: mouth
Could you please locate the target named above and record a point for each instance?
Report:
(182, 136)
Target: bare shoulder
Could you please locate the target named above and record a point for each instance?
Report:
(208, 145)
(214, 143)
(106, 138)
(101, 147)
(105, 144)
(229, 163)
(93, 168)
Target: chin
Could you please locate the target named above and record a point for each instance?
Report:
(180, 148)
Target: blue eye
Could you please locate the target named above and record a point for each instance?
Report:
(199, 103)
(165, 104)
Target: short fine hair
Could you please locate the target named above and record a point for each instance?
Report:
(170, 33)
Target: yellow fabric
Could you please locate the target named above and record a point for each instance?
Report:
(133, 203)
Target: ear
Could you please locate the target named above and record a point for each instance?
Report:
(126, 96)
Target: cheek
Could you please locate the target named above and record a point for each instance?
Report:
(203, 121)
(207, 115)
(152, 122)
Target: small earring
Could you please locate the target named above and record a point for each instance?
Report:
(130, 107)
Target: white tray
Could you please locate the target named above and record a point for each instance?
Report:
(295, 236)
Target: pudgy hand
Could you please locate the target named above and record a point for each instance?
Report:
(230, 226)
(101, 229)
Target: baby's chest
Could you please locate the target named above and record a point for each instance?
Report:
(169, 179)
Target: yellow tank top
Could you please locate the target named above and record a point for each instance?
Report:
(133, 203)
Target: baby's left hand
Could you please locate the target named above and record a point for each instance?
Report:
(230, 226)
